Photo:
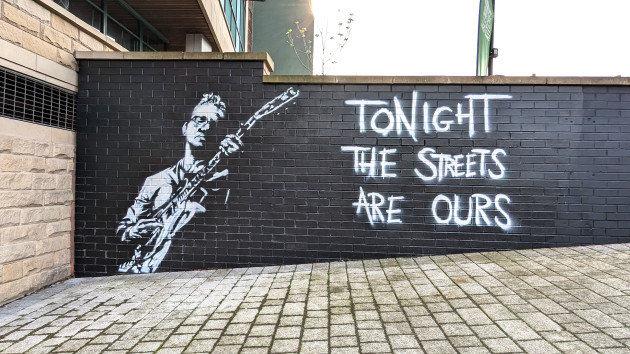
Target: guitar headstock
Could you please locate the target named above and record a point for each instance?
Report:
(278, 102)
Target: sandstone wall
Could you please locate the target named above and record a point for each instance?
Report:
(36, 206)
(38, 38)
(46, 29)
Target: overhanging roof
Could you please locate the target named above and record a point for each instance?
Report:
(176, 18)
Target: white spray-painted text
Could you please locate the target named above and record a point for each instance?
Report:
(433, 166)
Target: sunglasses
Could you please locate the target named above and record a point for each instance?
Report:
(200, 120)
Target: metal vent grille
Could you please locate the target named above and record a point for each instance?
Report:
(31, 100)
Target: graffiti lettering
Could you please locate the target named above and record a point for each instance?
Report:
(382, 118)
(459, 165)
(446, 210)
(368, 165)
(383, 121)
(373, 202)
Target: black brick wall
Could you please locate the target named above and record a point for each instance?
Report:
(292, 188)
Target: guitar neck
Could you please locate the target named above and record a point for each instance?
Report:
(193, 185)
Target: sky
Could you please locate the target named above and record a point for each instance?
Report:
(431, 37)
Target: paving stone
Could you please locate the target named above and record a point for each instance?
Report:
(537, 347)
(72, 345)
(422, 321)
(474, 316)
(87, 334)
(291, 321)
(237, 328)
(371, 335)
(124, 345)
(316, 347)
(598, 340)
(597, 318)
(314, 334)
(227, 340)
(226, 349)
(345, 341)
(315, 322)
(558, 336)
(178, 340)
(17, 335)
(288, 332)
(261, 319)
(400, 341)
(539, 321)
(502, 345)
(549, 300)
(472, 350)
(147, 346)
(200, 346)
(25, 344)
(93, 348)
(580, 327)
(258, 341)
(375, 347)
(517, 330)
(398, 328)
(456, 329)
(105, 339)
(618, 333)
(465, 341)
(429, 333)
(574, 347)
(369, 325)
(285, 345)
(438, 346)
(342, 330)
(498, 312)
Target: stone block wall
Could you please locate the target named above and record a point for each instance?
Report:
(36, 206)
(38, 39)
(44, 28)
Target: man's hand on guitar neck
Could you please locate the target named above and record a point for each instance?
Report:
(232, 143)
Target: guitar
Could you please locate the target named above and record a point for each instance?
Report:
(180, 208)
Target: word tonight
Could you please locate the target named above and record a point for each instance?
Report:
(383, 121)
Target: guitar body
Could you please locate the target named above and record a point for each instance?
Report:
(149, 255)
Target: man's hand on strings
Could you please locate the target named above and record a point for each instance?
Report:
(143, 229)
(230, 144)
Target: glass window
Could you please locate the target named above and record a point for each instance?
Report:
(89, 14)
(120, 25)
(235, 15)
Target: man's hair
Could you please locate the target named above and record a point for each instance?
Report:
(212, 99)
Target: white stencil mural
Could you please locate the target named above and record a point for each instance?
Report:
(169, 199)
(433, 167)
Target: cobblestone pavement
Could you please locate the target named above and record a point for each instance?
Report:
(545, 300)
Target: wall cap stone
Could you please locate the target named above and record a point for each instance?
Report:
(249, 56)
(455, 80)
(348, 80)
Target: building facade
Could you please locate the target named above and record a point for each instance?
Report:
(38, 109)
(272, 23)
(296, 169)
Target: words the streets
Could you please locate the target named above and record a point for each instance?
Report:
(377, 116)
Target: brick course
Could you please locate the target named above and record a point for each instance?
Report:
(295, 195)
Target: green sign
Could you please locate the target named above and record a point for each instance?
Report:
(484, 36)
